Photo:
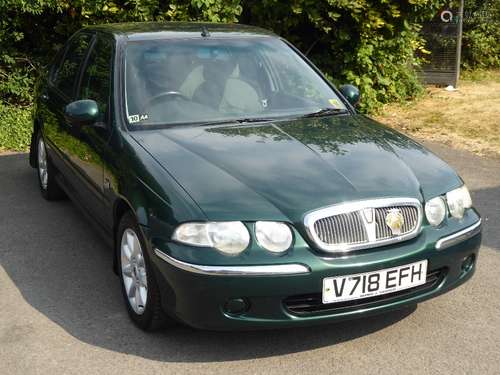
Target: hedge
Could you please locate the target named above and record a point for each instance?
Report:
(15, 128)
(481, 38)
(369, 43)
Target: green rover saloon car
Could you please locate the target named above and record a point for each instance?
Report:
(239, 188)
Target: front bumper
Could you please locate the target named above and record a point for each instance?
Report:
(200, 295)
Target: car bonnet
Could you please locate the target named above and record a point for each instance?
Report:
(281, 170)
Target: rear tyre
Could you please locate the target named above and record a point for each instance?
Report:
(139, 287)
(49, 188)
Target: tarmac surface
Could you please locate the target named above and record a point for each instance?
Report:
(61, 309)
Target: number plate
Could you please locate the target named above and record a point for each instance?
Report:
(370, 284)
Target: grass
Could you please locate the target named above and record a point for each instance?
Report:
(15, 128)
(466, 119)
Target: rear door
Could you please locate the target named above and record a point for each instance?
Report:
(59, 92)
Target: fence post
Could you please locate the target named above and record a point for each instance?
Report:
(459, 42)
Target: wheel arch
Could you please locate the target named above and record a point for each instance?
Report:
(122, 206)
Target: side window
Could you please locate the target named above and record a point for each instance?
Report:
(96, 79)
(56, 63)
(65, 76)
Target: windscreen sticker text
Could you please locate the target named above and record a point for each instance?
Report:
(137, 118)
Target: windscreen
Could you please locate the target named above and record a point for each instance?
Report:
(185, 81)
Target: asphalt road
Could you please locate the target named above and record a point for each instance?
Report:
(61, 310)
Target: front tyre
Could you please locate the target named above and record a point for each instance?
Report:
(139, 286)
(46, 173)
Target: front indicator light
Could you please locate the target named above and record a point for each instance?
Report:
(229, 237)
(273, 236)
(435, 211)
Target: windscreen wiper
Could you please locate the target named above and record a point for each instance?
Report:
(236, 121)
(326, 112)
(255, 119)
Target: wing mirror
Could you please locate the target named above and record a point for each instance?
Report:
(351, 93)
(82, 112)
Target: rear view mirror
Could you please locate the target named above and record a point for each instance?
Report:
(351, 93)
(82, 112)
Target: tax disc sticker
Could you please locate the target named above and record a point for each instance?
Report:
(334, 102)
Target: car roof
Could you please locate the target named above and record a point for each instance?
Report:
(162, 30)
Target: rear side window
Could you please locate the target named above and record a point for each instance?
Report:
(96, 79)
(65, 76)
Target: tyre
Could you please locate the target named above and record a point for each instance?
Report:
(46, 172)
(139, 287)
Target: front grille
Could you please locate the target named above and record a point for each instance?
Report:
(410, 215)
(343, 228)
(358, 225)
(311, 304)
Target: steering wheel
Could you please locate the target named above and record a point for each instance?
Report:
(165, 94)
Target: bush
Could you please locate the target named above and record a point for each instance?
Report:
(32, 31)
(368, 43)
(365, 42)
(15, 127)
(481, 34)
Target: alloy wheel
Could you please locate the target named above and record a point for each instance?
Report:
(134, 274)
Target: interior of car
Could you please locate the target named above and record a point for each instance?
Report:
(178, 82)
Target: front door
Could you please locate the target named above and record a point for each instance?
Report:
(92, 140)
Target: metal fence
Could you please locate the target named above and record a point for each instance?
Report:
(443, 35)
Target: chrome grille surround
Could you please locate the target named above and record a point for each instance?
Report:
(346, 227)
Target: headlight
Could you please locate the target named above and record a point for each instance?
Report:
(458, 200)
(230, 237)
(273, 236)
(435, 211)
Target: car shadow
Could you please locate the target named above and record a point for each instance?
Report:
(63, 269)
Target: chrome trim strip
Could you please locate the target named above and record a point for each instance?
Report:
(460, 236)
(343, 208)
(264, 270)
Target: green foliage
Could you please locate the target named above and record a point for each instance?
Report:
(15, 127)
(368, 43)
(481, 34)
(32, 31)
